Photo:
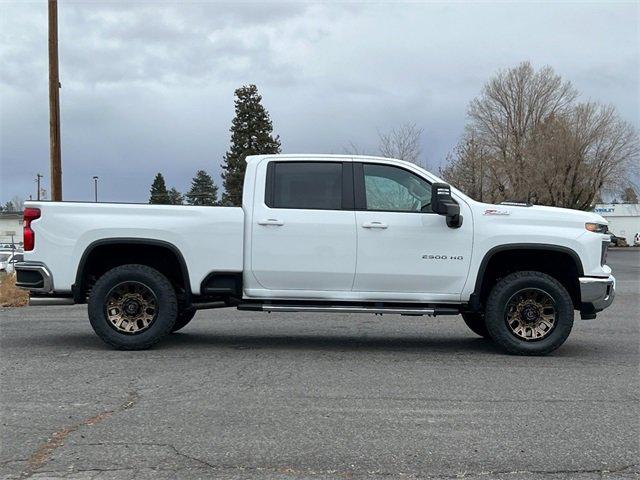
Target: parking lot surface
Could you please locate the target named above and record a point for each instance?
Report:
(245, 395)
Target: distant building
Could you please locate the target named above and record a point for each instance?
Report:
(11, 228)
(623, 218)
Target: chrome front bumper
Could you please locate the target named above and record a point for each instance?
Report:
(597, 293)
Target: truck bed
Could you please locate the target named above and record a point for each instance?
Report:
(207, 237)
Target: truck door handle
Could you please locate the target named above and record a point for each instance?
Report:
(271, 221)
(374, 225)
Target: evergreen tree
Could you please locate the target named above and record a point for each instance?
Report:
(159, 194)
(251, 134)
(203, 191)
(175, 197)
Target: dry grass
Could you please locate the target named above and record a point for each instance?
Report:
(10, 295)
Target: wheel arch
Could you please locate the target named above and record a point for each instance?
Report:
(132, 244)
(524, 253)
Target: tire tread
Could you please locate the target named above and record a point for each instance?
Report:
(96, 305)
(498, 330)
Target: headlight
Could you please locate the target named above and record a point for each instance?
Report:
(596, 227)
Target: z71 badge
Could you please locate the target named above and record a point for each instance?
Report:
(442, 257)
(495, 211)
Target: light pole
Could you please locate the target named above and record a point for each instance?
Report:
(38, 177)
(95, 188)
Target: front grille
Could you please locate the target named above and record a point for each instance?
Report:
(603, 255)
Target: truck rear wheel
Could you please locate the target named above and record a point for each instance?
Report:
(475, 322)
(131, 307)
(529, 313)
(184, 317)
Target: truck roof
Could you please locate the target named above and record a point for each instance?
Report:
(320, 157)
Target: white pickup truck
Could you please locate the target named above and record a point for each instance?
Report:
(323, 233)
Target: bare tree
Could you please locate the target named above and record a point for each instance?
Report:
(629, 195)
(353, 149)
(535, 142)
(576, 156)
(470, 167)
(511, 104)
(402, 143)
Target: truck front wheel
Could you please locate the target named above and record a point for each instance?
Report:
(529, 313)
(131, 307)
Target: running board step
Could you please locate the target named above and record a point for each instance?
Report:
(41, 301)
(263, 307)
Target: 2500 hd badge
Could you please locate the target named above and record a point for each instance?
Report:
(442, 257)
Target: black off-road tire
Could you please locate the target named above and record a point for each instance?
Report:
(184, 317)
(496, 310)
(475, 322)
(167, 307)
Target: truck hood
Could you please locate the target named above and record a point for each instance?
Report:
(539, 214)
(569, 213)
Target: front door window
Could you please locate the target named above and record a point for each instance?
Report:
(392, 189)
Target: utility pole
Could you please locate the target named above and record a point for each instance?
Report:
(95, 188)
(54, 105)
(38, 177)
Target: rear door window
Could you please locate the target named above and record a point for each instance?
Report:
(305, 185)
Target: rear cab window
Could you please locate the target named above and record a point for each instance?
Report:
(308, 185)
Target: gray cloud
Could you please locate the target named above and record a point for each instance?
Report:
(148, 87)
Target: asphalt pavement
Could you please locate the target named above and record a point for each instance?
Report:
(278, 396)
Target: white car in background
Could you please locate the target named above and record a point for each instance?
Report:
(8, 260)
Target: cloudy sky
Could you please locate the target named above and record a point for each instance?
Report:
(149, 87)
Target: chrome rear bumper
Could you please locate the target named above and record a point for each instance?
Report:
(34, 276)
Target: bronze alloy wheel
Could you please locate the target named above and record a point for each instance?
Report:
(131, 307)
(531, 314)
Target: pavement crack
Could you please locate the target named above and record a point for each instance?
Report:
(13, 460)
(336, 473)
(189, 457)
(43, 454)
(596, 471)
(331, 473)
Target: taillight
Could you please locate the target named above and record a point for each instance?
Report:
(29, 237)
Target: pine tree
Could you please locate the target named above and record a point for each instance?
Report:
(203, 191)
(251, 134)
(175, 197)
(159, 194)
